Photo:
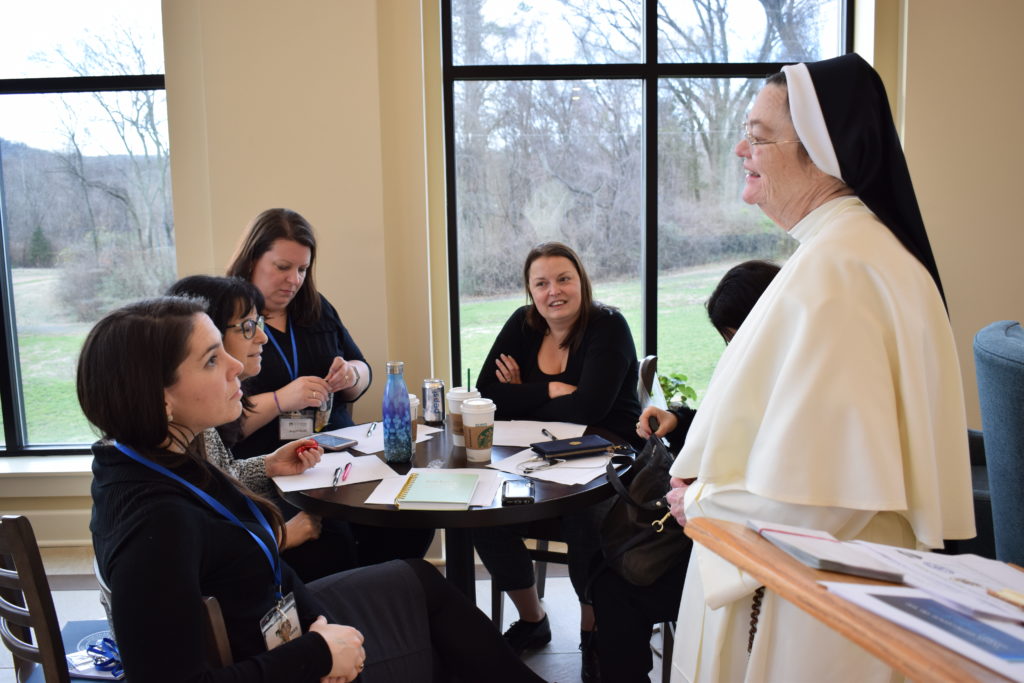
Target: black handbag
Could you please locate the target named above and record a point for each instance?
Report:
(640, 538)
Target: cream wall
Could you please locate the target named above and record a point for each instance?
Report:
(962, 105)
(309, 105)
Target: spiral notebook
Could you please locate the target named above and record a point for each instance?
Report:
(437, 490)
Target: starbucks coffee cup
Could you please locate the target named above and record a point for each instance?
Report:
(478, 428)
(456, 395)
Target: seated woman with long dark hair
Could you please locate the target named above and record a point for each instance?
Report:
(168, 528)
(562, 357)
(315, 547)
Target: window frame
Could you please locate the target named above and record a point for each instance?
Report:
(650, 72)
(11, 390)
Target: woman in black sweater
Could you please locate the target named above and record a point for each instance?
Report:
(563, 357)
(168, 528)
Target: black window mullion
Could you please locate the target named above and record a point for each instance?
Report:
(15, 432)
(451, 197)
(649, 245)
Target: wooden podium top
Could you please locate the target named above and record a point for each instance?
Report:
(915, 656)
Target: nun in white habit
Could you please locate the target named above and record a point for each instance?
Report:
(838, 405)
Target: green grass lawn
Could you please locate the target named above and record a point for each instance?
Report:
(687, 342)
(48, 344)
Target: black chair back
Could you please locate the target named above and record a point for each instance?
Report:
(28, 620)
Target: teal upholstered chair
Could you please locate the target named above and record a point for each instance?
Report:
(999, 362)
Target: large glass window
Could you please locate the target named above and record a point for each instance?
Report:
(571, 120)
(85, 200)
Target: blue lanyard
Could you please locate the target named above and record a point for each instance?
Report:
(272, 557)
(293, 368)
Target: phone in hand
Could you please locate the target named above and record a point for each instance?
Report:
(331, 442)
(517, 492)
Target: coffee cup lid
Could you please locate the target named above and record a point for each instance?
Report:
(477, 405)
(463, 393)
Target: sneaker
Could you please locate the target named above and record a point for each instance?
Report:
(590, 670)
(528, 635)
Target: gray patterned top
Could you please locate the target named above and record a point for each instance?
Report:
(252, 472)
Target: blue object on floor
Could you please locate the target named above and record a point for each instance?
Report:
(77, 635)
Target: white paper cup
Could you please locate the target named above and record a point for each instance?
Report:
(414, 412)
(456, 396)
(414, 407)
(478, 428)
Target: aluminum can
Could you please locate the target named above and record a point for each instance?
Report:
(433, 402)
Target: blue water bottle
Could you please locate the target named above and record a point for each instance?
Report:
(397, 427)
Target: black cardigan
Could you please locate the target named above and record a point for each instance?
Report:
(161, 549)
(604, 371)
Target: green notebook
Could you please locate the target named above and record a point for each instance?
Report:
(439, 490)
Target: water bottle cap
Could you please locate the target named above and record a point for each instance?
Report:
(395, 367)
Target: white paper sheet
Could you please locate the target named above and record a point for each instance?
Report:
(374, 443)
(524, 432)
(364, 468)
(963, 579)
(486, 488)
(918, 611)
(575, 471)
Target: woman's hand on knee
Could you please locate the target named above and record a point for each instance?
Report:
(347, 654)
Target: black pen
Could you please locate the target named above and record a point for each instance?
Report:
(545, 432)
(337, 476)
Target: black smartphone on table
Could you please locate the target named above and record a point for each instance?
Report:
(517, 492)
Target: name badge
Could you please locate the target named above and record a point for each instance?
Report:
(295, 425)
(281, 623)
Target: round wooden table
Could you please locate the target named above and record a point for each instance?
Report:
(551, 501)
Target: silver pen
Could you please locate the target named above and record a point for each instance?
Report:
(373, 425)
(337, 476)
(545, 432)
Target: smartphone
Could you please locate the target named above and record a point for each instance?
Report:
(333, 443)
(516, 492)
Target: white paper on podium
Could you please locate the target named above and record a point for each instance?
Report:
(364, 468)
(524, 432)
(486, 488)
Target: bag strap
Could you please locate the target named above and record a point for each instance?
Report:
(620, 488)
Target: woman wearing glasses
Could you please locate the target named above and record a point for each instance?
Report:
(309, 357)
(313, 548)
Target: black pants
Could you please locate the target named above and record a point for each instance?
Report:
(503, 553)
(625, 616)
(418, 627)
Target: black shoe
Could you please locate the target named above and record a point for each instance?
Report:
(590, 670)
(528, 635)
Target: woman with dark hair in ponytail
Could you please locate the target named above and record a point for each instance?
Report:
(168, 528)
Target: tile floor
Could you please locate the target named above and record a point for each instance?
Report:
(76, 597)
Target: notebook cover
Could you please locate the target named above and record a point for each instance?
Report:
(440, 490)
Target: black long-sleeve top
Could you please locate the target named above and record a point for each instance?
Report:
(316, 346)
(603, 369)
(161, 549)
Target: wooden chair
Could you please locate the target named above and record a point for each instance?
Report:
(648, 388)
(28, 620)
